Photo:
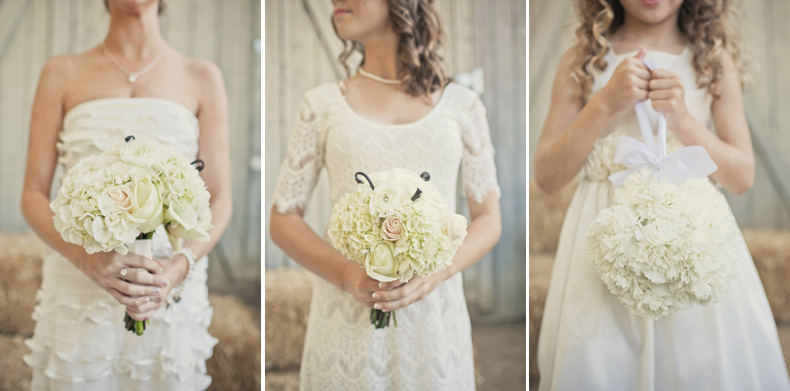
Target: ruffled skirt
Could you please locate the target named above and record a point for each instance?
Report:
(80, 342)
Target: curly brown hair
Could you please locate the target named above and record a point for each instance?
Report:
(420, 52)
(705, 23)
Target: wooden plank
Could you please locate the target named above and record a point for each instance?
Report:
(253, 223)
(178, 32)
(13, 139)
(273, 123)
(482, 295)
(204, 31)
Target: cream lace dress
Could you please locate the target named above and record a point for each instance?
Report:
(431, 349)
(590, 341)
(79, 342)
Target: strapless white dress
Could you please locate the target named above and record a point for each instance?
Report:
(80, 342)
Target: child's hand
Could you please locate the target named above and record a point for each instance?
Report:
(668, 97)
(628, 84)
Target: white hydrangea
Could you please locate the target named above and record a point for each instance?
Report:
(420, 237)
(94, 204)
(107, 200)
(663, 246)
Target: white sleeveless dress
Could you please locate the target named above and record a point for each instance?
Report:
(590, 341)
(80, 342)
(431, 348)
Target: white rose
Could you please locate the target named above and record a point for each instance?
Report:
(147, 206)
(385, 201)
(143, 153)
(380, 262)
(456, 229)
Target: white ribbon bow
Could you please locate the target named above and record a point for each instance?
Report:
(687, 162)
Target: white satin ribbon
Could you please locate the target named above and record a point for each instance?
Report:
(687, 162)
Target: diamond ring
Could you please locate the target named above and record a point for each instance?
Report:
(123, 273)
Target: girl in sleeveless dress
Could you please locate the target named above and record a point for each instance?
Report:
(398, 111)
(133, 83)
(589, 340)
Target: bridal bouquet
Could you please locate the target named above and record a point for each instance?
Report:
(668, 241)
(398, 228)
(114, 201)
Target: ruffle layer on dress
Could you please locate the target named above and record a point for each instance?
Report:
(79, 342)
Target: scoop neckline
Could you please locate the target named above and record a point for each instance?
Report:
(422, 119)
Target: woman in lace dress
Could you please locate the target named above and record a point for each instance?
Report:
(397, 111)
(588, 339)
(85, 104)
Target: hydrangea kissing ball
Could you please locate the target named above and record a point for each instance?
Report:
(664, 246)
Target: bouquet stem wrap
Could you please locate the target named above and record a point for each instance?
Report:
(143, 247)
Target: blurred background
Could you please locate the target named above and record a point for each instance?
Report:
(486, 52)
(763, 213)
(225, 32)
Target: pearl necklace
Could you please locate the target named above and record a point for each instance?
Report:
(133, 76)
(378, 79)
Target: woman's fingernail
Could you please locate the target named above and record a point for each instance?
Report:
(147, 299)
(376, 296)
(377, 306)
(381, 285)
(157, 290)
(165, 282)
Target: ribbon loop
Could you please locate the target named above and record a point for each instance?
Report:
(687, 162)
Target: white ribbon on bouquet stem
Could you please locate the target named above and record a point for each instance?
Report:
(687, 162)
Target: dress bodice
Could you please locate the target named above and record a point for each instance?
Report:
(97, 125)
(453, 137)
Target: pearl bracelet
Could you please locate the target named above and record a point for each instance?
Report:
(175, 294)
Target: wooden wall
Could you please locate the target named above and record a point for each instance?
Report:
(486, 34)
(551, 31)
(220, 31)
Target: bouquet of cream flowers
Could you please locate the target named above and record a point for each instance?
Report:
(398, 228)
(668, 241)
(663, 245)
(114, 201)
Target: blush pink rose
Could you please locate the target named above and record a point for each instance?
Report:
(392, 228)
(120, 195)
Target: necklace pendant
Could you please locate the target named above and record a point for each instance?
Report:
(132, 77)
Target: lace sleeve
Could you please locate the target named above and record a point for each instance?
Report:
(478, 170)
(303, 162)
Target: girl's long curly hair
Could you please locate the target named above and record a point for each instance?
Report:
(420, 52)
(707, 24)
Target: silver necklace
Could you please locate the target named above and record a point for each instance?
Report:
(378, 79)
(133, 76)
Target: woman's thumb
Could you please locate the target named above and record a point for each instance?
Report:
(642, 53)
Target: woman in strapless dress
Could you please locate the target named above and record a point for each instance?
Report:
(132, 83)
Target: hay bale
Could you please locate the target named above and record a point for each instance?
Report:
(20, 278)
(288, 294)
(236, 361)
(282, 381)
(546, 213)
(771, 253)
(15, 375)
(539, 277)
